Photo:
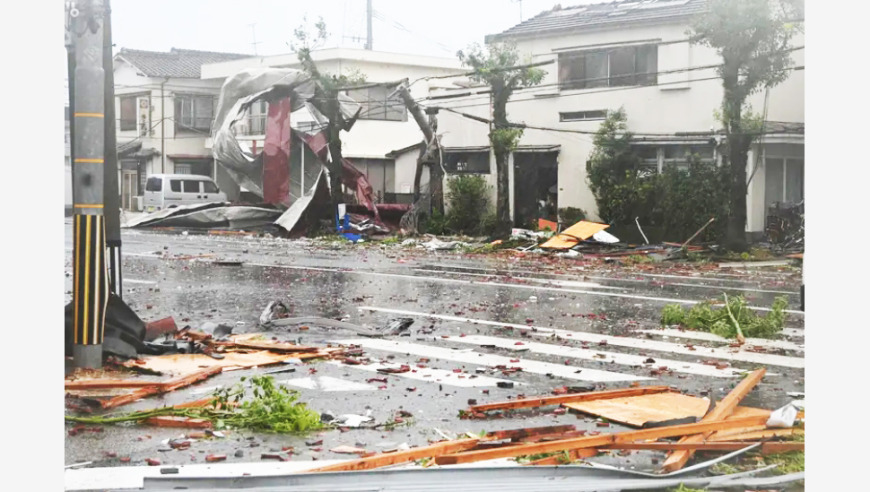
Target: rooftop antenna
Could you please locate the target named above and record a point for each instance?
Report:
(521, 8)
(254, 43)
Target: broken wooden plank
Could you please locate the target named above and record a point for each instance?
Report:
(88, 384)
(757, 434)
(553, 437)
(516, 434)
(386, 459)
(638, 410)
(574, 397)
(722, 410)
(766, 448)
(164, 387)
(597, 441)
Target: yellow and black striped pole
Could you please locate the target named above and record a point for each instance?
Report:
(90, 279)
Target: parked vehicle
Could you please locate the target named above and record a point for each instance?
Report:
(171, 190)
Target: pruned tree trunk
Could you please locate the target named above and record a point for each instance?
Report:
(735, 237)
(502, 199)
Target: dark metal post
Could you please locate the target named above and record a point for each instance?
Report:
(90, 282)
(112, 194)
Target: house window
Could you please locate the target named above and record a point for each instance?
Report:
(128, 113)
(783, 180)
(194, 113)
(583, 115)
(680, 155)
(474, 162)
(656, 157)
(377, 105)
(255, 121)
(183, 168)
(611, 67)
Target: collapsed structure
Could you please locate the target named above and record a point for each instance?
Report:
(269, 173)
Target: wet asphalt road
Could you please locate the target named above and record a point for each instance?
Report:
(444, 292)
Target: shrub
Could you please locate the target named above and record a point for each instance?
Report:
(469, 205)
(678, 201)
(571, 215)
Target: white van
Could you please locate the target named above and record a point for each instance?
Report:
(171, 190)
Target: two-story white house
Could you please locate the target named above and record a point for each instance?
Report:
(632, 54)
(164, 112)
(383, 125)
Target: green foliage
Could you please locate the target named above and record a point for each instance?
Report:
(564, 457)
(571, 215)
(791, 462)
(505, 139)
(751, 36)
(683, 488)
(498, 67)
(702, 317)
(677, 200)
(436, 223)
(468, 196)
(271, 409)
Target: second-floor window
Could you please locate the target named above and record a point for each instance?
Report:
(467, 162)
(610, 67)
(128, 113)
(377, 105)
(194, 113)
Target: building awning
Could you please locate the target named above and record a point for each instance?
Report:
(134, 150)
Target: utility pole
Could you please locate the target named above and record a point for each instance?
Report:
(369, 25)
(90, 281)
(112, 198)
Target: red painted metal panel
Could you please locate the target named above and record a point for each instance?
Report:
(276, 154)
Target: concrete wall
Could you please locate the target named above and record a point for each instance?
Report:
(686, 103)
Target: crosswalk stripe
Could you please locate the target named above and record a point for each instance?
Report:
(489, 360)
(572, 283)
(591, 353)
(432, 375)
(497, 284)
(711, 337)
(563, 283)
(643, 344)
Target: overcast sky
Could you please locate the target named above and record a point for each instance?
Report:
(434, 27)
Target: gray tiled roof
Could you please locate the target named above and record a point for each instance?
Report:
(175, 63)
(602, 15)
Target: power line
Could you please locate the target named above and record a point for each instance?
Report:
(593, 132)
(567, 83)
(612, 89)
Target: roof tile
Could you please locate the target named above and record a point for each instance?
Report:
(177, 63)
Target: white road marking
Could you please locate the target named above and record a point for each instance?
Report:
(710, 337)
(592, 353)
(328, 383)
(489, 360)
(638, 343)
(745, 289)
(432, 375)
(496, 284)
(564, 283)
(570, 283)
(137, 281)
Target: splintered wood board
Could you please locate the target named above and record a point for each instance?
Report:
(638, 410)
(190, 363)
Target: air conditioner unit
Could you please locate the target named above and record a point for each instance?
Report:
(137, 203)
